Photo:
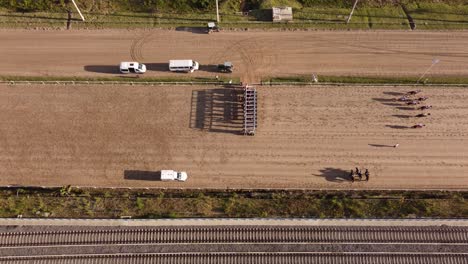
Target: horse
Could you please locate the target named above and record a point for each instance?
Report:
(414, 102)
(423, 115)
(413, 92)
(418, 126)
(425, 107)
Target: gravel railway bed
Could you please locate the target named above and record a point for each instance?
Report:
(258, 258)
(29, 236)
(234, 244)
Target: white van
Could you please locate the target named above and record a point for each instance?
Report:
(183, 65)
(132, 67)
(172, 175)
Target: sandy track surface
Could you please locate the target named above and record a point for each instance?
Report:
(255, 54)
(308, 137)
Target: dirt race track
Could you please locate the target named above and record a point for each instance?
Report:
(308, 137)
(255, 54)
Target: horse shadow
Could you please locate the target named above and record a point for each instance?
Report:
(384, 99)
(334, 175)
(403, 116)
(394, 93)
(381, 146)
(397, 126)
(405, 108)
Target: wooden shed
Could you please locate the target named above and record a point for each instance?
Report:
(282, 14)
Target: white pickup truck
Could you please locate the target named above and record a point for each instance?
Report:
(172, 175)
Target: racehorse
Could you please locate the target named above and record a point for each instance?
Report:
(419, 126)
(413, 92)
(425, 107)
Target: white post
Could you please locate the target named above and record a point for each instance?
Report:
(217, 12)
(352, 10)
(79, 12)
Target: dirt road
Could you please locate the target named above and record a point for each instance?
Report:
(307, 137)
(255, 54)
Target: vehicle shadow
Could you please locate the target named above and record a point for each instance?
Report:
(209, 68)
(110, 69)
(217, 110)
(334, 175)
(194, 30)
(142, 175)
(164, 67)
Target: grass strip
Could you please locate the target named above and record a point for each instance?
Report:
(68, 202)
(411, 80)
(295, 80)
(427, 16)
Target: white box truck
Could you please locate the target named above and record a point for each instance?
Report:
(183, 65)
(172, 175)
(132, 67)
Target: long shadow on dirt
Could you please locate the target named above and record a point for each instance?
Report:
(397, 126)
(384, 99)
(405, 108)
(334, 175)
(394, 93)
(403, 116)
(142, 175)
(217, 110)
(381, 146)
(110, 69)
(164, 67)
(194, 30)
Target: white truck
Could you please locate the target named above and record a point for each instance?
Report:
(172, 175)
(132, 67)
(183, 65)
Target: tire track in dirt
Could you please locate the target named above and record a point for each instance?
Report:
(256, 58)
(137, 46)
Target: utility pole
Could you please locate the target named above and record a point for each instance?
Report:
(217, 12)
(352, 10)
(79, 12)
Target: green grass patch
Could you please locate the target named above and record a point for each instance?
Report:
(156, 203)
(427, 15)
(439, 15)
(369, 80)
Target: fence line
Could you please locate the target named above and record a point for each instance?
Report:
(55, 82)
(357, 84)
(58, 82)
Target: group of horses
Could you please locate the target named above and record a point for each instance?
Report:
(357, 174)
(416, 101)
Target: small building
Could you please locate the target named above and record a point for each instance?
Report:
(283, 13)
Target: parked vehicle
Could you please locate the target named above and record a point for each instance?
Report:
(211, 27)
(183, 65)
(227, 67)
(132, 67)
(172, 175)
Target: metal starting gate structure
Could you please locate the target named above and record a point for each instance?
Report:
(250, 110)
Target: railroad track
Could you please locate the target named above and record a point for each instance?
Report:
(228, 234)
(248, 258)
